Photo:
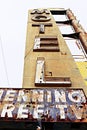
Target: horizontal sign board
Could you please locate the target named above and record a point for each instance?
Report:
(46, 105)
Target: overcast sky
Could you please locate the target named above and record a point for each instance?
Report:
(13, 25)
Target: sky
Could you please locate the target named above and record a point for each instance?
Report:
(13, 26)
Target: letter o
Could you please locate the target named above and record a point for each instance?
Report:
(41, 18)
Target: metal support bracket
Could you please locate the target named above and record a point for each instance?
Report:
(58, 12)
(42, 80)
(64, 22)
(72, 35)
